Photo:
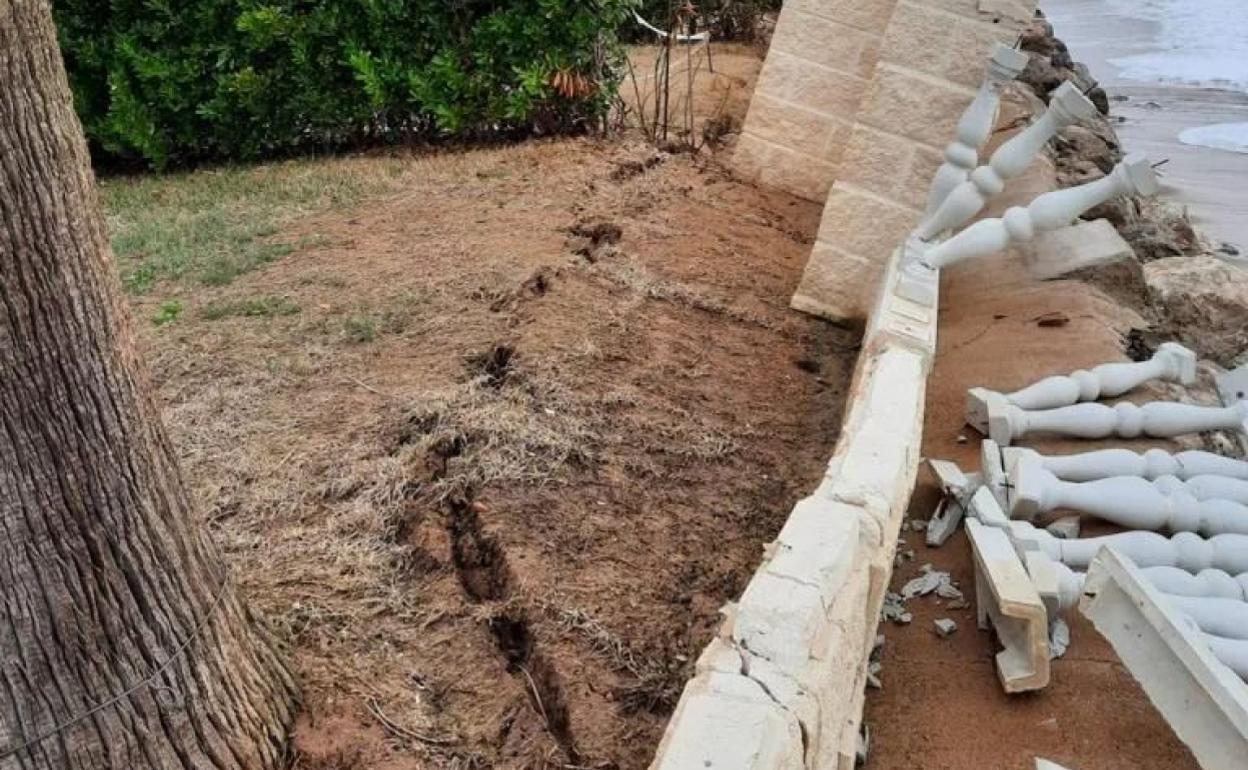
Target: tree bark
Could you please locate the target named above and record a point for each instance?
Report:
(122, 644)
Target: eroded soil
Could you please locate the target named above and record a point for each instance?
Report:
(518, 433)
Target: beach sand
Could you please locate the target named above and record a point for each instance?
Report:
(1211, 183)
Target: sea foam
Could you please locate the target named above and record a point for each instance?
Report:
(1201, 43)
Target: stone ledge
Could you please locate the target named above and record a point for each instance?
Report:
(782, 684)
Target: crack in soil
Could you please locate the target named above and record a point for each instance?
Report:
(484, 575)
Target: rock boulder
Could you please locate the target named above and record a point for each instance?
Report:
(1205, 304)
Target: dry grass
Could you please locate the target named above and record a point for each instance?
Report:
(461, 402)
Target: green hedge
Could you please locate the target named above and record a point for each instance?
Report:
(172, 82)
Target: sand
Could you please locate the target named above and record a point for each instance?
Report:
(1211, 183)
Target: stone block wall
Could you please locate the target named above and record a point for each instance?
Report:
(822, 57)
(932, 56)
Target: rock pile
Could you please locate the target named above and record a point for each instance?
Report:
(1187, 290)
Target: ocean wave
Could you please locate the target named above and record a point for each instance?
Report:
(1200, 43)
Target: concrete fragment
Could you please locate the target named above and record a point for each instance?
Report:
(873, 675)
(945, 627)
(1066, 528)
(863, 751)
(931, 581)
(986, 510)
(894, 609)
(1059, 639)
(1205, 702)
(944, 522)
(1085, 244)
(952, 480)
(1006, 599)
(1044, 764)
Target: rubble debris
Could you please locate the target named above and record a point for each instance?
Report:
(894, 609)
(931, 580)
(1059, 639)
(945, 627)
(1067, 528)
(944, 522)
(873, 675)
(864, 745)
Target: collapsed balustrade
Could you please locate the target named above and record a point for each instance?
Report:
(782, 684)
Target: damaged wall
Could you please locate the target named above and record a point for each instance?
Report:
(854, 106)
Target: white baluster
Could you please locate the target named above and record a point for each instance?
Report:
(1133, 176)
(1215, 488)
(1107, 463)
(1171, 362)
(1208, 583)
(1232, 652)
(1159, 419)
(1127, 501)
(975, 126)
(1221, 617)
(1066, 106)
(1185, 550)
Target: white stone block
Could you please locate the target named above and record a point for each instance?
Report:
(728, 722)
(1006, 597)
(1084, 244)
(1205, 703)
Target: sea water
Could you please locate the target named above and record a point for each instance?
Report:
(1201, 43)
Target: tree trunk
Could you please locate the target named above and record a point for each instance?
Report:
(122, 643)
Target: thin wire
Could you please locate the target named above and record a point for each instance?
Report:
(216, 603)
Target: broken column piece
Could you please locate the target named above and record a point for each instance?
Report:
(1060, 586)
(1159, 419)
(1171, 362)
(1128, 501)
(1107, 463)
(1006, 598)
(1133, 176)
(975, 125)
(1185, 550)
(967, 199)
(957, 488)
(1204, 701)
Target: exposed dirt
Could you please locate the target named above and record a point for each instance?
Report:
(529, 429)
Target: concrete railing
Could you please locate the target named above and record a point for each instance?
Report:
(782, 685)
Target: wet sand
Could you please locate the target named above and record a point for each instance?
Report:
(1212, 184)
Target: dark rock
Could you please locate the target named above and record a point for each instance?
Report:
(1098, 97)
(1038, 38)
(1083, 77)
(1205, 305)
(1151, 240)
(1040, 76)
(1061, 56)
(1081, 143)
(1100, 125)
(1120, 212)
(1076, 171)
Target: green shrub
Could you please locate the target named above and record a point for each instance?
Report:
(169, 82)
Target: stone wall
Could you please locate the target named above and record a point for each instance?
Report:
(782, 686)
(822, 57)
(854, 106)
(932, 59)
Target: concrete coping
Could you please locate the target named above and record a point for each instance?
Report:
(782, 686)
